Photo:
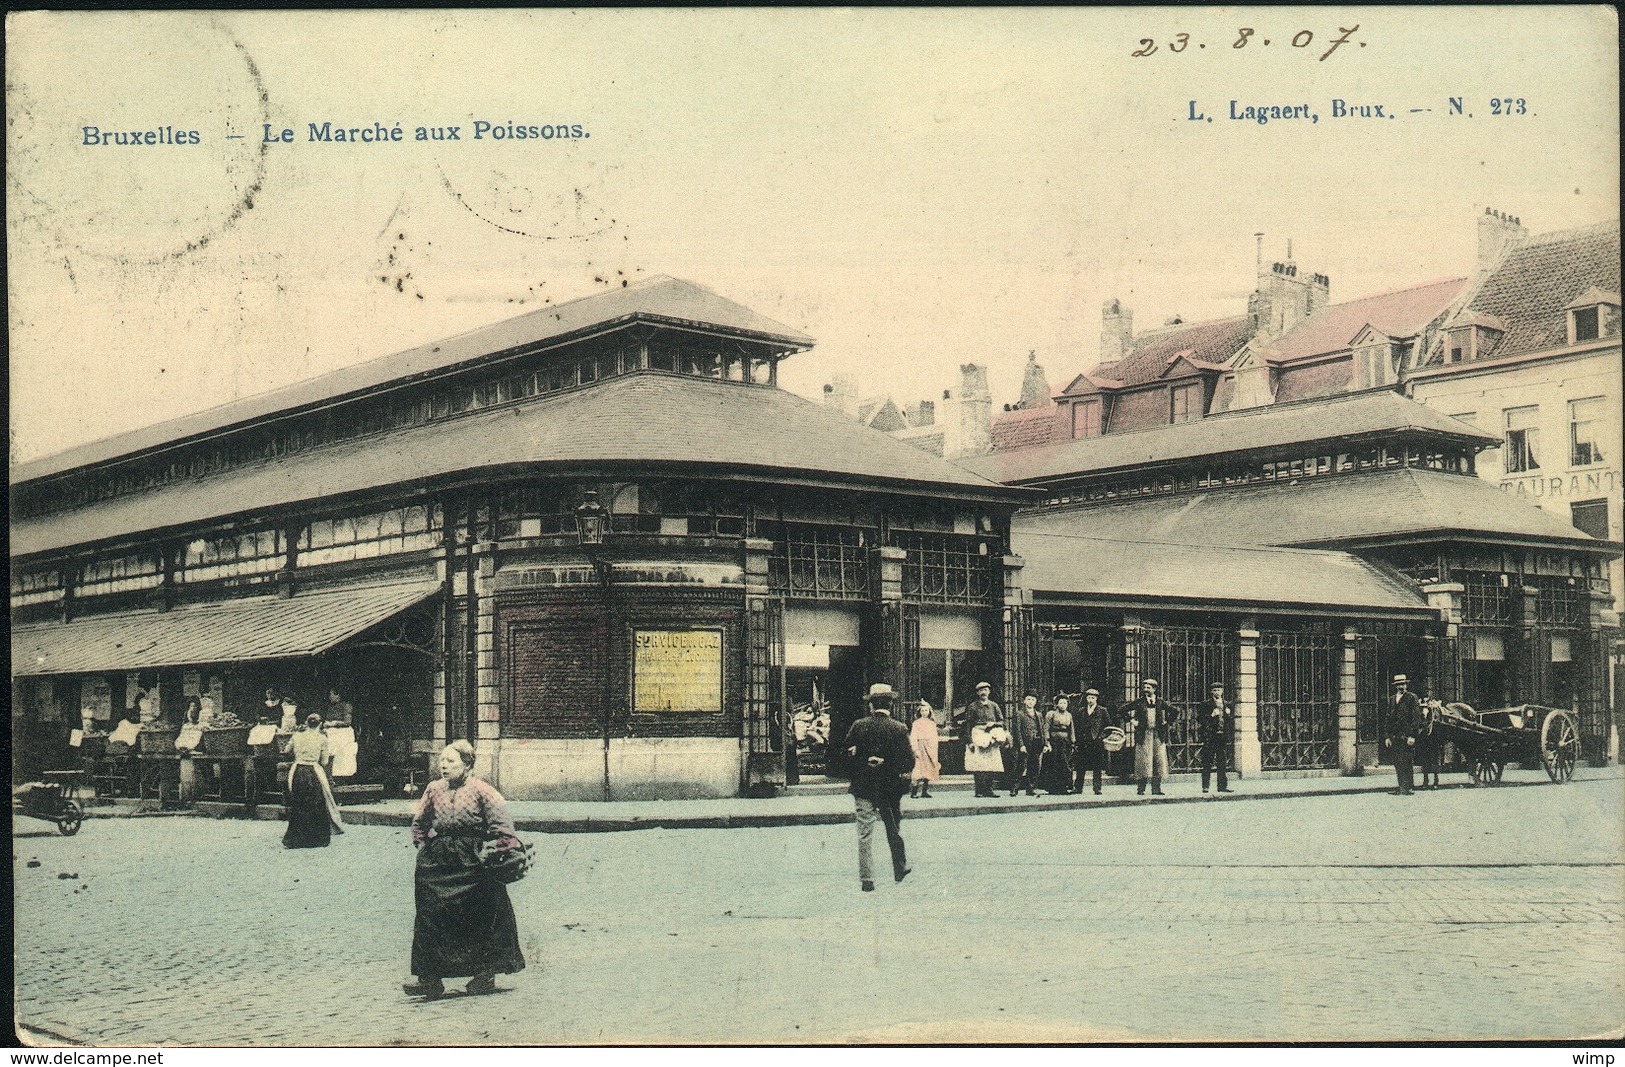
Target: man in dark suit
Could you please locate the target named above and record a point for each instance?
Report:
(1027, 734)
(1404, 721)
(1218, 730)
(1150, 718)
(882, 760)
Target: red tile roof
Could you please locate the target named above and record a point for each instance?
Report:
(1214, 342)
(1308, 381)
(1024, 428)
(661, 299)
(1530, 289)
(1402, 313)
(647, 419)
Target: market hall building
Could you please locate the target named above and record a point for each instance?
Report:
(597, 539)
(1301, 554)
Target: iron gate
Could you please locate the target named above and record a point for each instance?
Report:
(1298, 680)
(1185, 661)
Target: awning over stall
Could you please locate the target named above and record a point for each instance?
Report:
(1070, 569)
(230, 631)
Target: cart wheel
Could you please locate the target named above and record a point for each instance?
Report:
(70, 818)
(1486, 771)
(1560, 745)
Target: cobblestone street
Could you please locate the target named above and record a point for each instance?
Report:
(1473, 914)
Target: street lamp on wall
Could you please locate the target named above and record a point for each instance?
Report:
(592, 520)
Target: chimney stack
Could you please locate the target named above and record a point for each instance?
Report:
(842, 394)
(1497, 231)
(1116, 331)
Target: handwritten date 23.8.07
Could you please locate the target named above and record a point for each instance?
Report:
(1248, 37)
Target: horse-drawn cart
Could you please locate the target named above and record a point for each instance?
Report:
(1525, 734)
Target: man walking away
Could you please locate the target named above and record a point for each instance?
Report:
(1030, 744)
(1404, 720)
(1218, 727)
(882, 760)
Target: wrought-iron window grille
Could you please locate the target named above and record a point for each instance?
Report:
(1558, 602)
(944, 568)
(121, 574)
(380, 533)
(811, 561)
(1298, 698)
(1488, 598)
(1185, 661)
(35, 587)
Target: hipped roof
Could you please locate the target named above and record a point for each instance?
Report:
(660, 300)
(647, 420)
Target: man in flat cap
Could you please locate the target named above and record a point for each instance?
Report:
(882, 760)
(1218, 719)
(1404, 722)
(985, 762)
(1151, 718)
(1092, 724)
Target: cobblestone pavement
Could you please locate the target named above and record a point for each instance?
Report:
(1461, 914)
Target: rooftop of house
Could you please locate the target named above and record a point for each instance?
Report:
(1154, 352)
(1373, 414)
(1023, 427)
(1398, 314)
(659, 300)
(643, 421)
(1530, 290)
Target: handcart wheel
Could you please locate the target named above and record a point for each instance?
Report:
(1559, 745)
(70, 818)
(1486, 771)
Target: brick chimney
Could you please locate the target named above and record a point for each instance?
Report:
(1116, 331)
(842, 394)
(1497, 231)
(1285, 297)
(975, 412)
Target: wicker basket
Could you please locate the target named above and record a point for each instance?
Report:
(226, 743)
(156, 741)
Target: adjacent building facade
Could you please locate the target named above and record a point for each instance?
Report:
(597, 540)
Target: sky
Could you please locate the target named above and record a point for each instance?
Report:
(915, 189)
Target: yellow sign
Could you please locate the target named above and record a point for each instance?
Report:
(677, 670)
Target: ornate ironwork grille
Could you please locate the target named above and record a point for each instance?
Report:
(1297, 700)
(1591, 688)
(1185, 661)
(815, 562)
(764, 656)
(1378, 656)
(946, 568)
(1559, 601)
(1486, 599)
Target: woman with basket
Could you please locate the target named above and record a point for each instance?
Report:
(313, 813)
(467, 851)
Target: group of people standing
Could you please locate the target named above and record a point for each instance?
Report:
(1060, 750)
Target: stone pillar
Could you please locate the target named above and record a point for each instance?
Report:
(1348, 751)
(764, 732)
(487, 702)
(1133, 669)
(437, 728)
(1249, 755)
(884, 660)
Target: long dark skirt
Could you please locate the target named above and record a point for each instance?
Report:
(308, 824)
(465, 924)
(1057, 770)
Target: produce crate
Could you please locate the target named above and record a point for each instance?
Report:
(156, 741)
(226, 743)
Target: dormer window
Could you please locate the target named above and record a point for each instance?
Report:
(1473, 339)
(1185, 403)
(1086, 419)
(1593, 314)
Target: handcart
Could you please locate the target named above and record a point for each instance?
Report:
(55, 798)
